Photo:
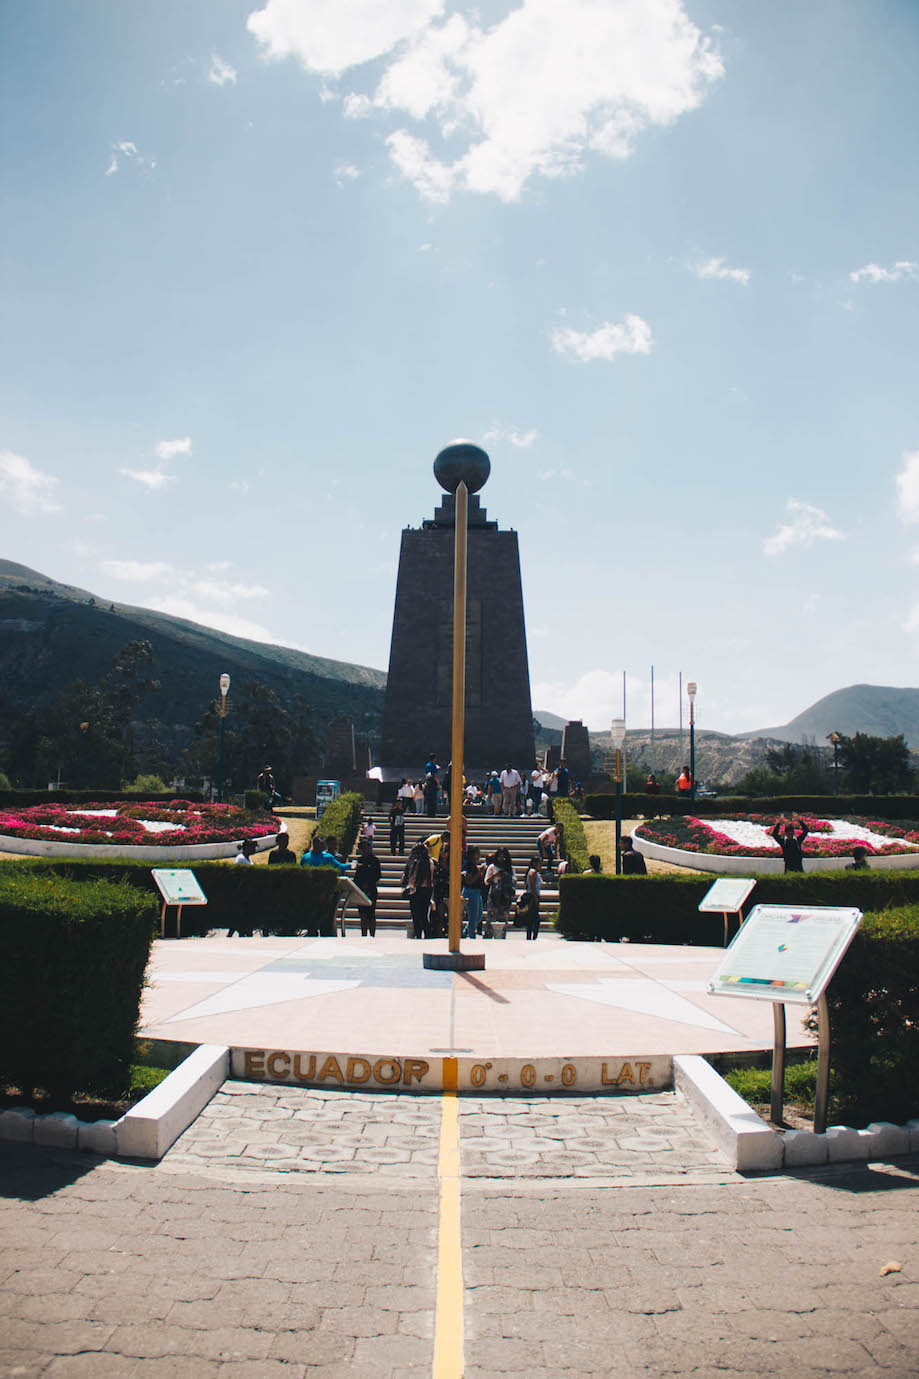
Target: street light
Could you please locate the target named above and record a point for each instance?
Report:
(691, 689)
(617, 734)
(222, 710)
(835, 738)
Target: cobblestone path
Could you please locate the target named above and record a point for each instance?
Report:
(294, 1233)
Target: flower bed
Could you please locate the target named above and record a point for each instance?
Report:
(131, 828)
(747, 836)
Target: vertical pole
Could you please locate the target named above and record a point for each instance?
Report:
(682, 747)
(625, 717)
(692, 751)
(653, 753)
(823, 1066)
(455, 911)
(618, 810)
(220, 764)
(777, 1097)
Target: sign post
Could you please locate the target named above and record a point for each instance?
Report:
(326, 792)
(788, 955)
(727, 896)
(180, 887)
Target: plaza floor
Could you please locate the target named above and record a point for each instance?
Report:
(542, 1000)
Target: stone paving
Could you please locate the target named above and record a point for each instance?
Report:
(293, 1233)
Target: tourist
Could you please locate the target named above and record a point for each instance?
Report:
(431, 794)
(790, 834)
(283, 852)
(367, 871)
(536, 785)
(331, 845)
(632, 862)
(684, 784)
(244, 852)
(493, 792)
(397, 827)
(549, 843)
(265, 782)
(859, 860)
(316, 856)
(418, 797)
(528, 906)
(405, 792)
(561, 779)
(430, 766)
(418, 885)
(510, 784)
(369, 828)
(551, 790)
(499, 878)
(652, 787)
(594, 865)
(473, 885)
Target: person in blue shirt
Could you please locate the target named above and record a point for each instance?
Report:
(316, 856)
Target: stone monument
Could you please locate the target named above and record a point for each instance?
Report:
(576, 750)
(416, 716)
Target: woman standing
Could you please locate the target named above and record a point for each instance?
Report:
(532, 888)
(500, 878)
(397, 827)
(418, 882)
(367, 878)
(473, 884)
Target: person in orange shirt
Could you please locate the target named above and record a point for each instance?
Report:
(684, 782)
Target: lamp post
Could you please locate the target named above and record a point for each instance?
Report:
(617, 734)
(81, 744)
(691, 689)
(835, 738)
(222, 707)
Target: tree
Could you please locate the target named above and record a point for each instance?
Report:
(878, 765)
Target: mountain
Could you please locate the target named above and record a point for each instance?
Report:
(550, 720)
(53, 633)
(719, 757)
(879, 710)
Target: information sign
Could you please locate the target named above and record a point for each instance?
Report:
(785, 953)
(326, 792)
(179, 887)
(727, 895)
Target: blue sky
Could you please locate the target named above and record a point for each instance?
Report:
(260, 262)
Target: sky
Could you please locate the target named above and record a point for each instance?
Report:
(260, 262)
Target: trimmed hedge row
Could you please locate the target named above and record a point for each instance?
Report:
(341, 820)
(664, 908)
(575, 839)
(29, 797)
(865, 806)
(74, 956)
(275, 900)
(873, 1004)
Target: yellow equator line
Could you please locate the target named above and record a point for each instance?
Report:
(448, 1314)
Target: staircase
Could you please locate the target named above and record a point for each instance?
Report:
(485, 831)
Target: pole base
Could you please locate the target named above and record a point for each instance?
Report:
(454, 962)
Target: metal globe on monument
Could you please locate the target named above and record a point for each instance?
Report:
(462, 462)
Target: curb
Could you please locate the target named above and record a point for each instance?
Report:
(144, 1132)
(753, 1146)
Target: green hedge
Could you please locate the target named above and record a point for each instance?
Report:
(275, 900)
(25, 798)
(74, 956)
(341, 820)
(873, 1004)
(575, 839)
(664, 908)
(865, 806)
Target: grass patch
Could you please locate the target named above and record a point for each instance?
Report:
(755, 1084)
(85, 1106)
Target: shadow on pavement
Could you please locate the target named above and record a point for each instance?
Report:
(28, 1172)
(890, 1175)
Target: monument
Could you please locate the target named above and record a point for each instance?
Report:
(576, 750)
(416, 716)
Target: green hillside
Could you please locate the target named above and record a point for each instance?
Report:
(51, 634)
(879, 710)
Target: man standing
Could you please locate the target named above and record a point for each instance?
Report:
(790, 834)
(510, 784)
(562, 777)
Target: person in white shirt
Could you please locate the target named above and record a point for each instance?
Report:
(510, 784)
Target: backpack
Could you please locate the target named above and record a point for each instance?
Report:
(502, 889)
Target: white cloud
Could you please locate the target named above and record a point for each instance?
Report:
(220, 72)
(874, 273)
(167, 450)
(137, 571)
(717, 268)
(807, 525)
(178, 606)
(594, 698)
(152, 479)
(185, 582)
(346, 172)
(631, 336)
(523, 440)
(532, 94)
(240, 485)
(27, 488)
(127, 151)
(908, 487)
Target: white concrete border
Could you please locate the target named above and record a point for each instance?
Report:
(762, 866)
(144, 1132)
(753, 1146)
(200, 852)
